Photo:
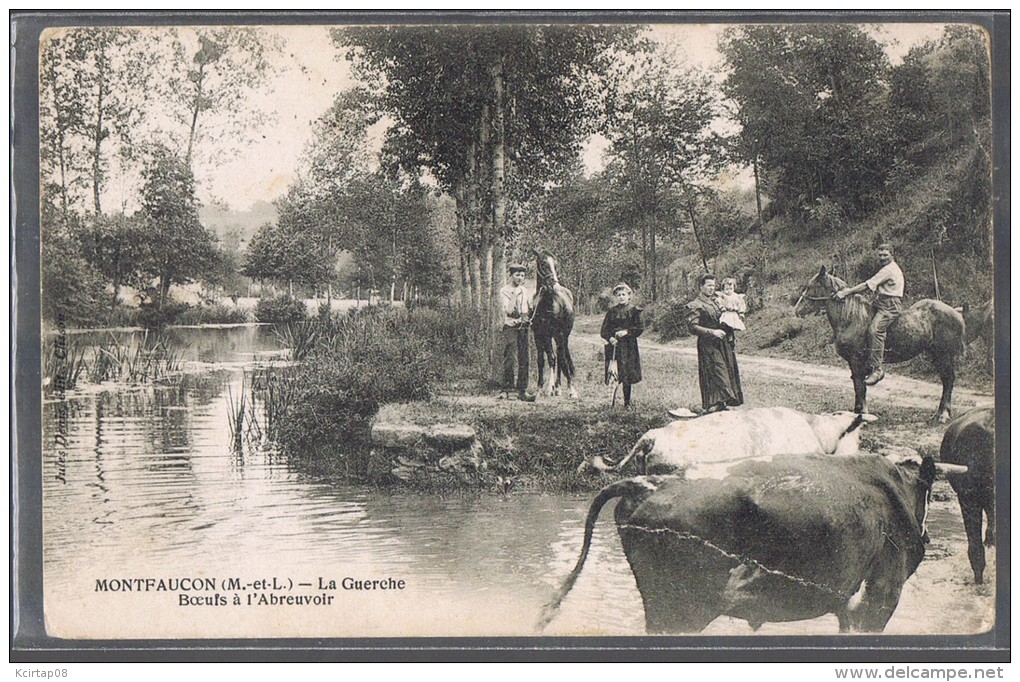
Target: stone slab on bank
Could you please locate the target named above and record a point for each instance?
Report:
(411, 452)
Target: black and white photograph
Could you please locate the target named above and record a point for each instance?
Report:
(554, 328)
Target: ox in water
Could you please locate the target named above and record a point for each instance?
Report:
(787, 540)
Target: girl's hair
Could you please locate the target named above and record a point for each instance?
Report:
(728, 280)
(622, 286)
(704, 278)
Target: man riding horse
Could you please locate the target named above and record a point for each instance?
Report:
(887, 284)
(930, 327)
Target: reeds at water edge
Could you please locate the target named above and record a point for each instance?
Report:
(155, 359)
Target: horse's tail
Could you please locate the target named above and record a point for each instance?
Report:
(568, 360)
(643, 446)
(959, 341)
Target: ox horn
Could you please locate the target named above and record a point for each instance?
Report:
(945, 468)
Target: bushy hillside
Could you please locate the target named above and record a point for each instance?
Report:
(938, 226)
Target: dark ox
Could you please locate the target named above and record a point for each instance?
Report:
(709, 445)
(791, 539)
(970, 441)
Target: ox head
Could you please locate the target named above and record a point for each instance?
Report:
(818, 290)
(839, 433)
(924, 468)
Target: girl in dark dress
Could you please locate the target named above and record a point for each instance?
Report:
(620, 330)
(717, 363)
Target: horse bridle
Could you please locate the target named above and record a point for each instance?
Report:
(534, 308)
(803, 296)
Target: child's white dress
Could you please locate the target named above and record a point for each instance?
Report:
(732, 306)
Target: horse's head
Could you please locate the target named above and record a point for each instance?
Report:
(545, 268)
(816, 293)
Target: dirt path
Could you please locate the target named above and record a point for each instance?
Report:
(903, 391)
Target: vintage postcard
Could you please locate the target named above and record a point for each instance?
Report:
(516, 329)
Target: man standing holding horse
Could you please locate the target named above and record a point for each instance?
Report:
(516, 308)
(888, 285)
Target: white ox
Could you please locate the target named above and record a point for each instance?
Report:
(708, 446)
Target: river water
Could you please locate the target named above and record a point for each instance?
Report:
(142, 484)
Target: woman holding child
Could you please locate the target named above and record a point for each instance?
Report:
(718, 374)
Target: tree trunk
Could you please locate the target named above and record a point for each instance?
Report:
(461, 213)
(164, 289)
(476, 281)
(654, 262)
(498, 275)
(474, 229)
(61, 142)
(199, 82)
(116, 289)
(98, 136)
(485, 215)
(487, 279)
(498, 161)
(697, 236)
(465, 278)
(500, 234)
(464, 296)
(332, 272)
(757, 197)
(638, 204)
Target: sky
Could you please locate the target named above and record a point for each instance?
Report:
(311, 72)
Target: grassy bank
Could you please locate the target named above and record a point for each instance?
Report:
(428, 366)
(536, 446)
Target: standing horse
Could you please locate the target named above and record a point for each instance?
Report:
(928, 326)
(551, 323)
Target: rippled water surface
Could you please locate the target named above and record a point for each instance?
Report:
(142, 482)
